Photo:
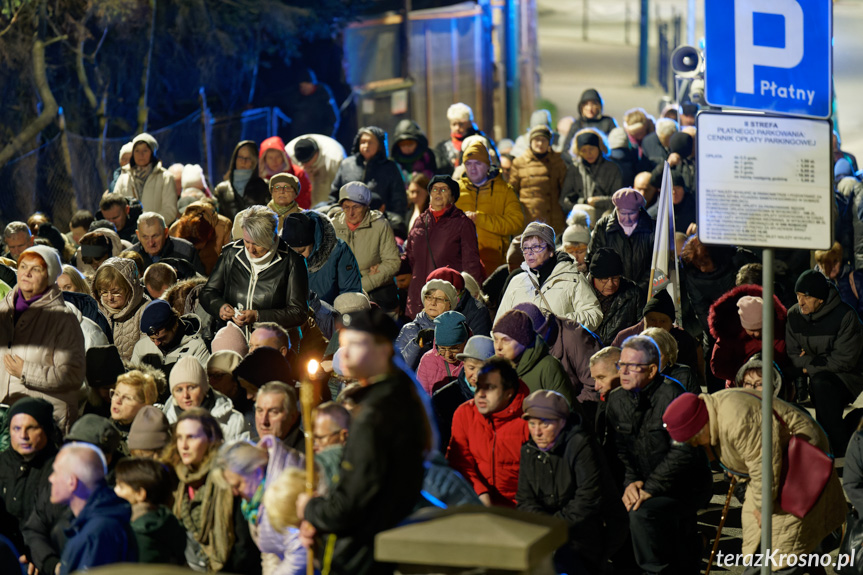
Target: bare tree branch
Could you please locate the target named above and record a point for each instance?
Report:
(49, 104)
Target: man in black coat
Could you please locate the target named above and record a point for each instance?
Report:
(563, 473)
(665, 484)
(154, 243)
(824, 339)
(26, 464)
(382, 470)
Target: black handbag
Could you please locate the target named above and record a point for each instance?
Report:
(851, 546)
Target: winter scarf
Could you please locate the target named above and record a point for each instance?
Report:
(282, 210)
(22, 305)
(250, 508)
(457, 140)
(215, 530)
(240, 178)
(139, 178)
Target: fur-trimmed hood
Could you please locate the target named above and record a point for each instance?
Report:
(724, 320)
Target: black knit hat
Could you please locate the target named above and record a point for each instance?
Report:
(104, 366)
(37, 408)
(299, 230)
(606, 263)
(305, 149)
(453, 185)
(263, 365)
(813, 283)
(661, 303)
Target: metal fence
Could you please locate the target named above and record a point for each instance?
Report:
(71, 172)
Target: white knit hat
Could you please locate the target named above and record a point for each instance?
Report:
(51, 258)
(189, 370)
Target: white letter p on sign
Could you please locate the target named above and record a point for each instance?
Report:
(747, 55)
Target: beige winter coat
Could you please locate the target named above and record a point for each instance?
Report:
(126, 323)
(735, 438)
(538, 183)
(48, 338)
(159, 194)
(373, 244)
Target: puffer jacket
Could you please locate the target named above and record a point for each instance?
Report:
(735, 438)
(635, 250)
(573, 345)
(380, 174)
(644, 446)
(450, 240)
(126, 323)
(852, 189)
(372, 244)
(733, 346)
(220, 407)
(624, 309)
(190, 344)
(333, 269)
(232, 201)
(538, 182)
(159, 194)
(48, 338)
(572, 481)
(584, 181)
(434, 371)
(117, 247)
(406, 342)
(486, 450)
(208, 248)
(304, 199)
(499, 216)
(538, 369)
(832, 338)
(566, 292)
(422, 160)
(279, 292)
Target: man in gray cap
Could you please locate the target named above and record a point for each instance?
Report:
(447, 399)
(382, 470)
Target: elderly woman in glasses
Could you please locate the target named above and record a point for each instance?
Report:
(551, 281)
(258, 278)
(442, 236)
(415, 338)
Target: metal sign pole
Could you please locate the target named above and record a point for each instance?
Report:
(767, 336)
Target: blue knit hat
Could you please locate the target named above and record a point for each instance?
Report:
(450, 328)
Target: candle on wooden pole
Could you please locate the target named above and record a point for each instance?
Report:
(307, 399)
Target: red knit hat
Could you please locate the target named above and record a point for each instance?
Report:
(685, 416)
(449, 275)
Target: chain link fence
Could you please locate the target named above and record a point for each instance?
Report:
(71, 172)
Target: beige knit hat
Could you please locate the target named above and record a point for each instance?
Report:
(189, 370)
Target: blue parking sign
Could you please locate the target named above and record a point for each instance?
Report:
(770, 55)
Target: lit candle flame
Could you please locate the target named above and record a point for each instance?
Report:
(313, 367)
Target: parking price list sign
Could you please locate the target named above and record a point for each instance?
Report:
(764, 181)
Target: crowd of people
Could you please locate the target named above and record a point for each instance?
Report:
(483, 332)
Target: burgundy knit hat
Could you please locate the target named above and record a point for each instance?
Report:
(517, 325)
(685, 416)
(447, 274)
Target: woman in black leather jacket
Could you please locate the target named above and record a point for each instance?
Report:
(258, 278)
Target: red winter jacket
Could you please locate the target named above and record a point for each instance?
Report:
(487, 449)
(733, 346)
